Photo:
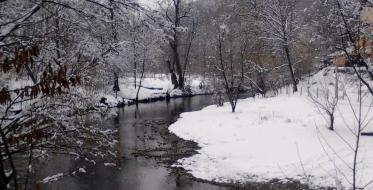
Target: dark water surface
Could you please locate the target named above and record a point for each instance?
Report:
(140, 129)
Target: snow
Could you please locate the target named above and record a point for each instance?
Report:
(18, 84)
(52, 178)
(149, 3)
(160, 85)
(129, 91)
(112, 101)
(13, 84)
(283, 137)
(110, 164)
(154, 87)
(82, 170)
(10, 27)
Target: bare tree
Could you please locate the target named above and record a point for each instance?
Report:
(191, 37)
(351, 167)
(363, 120)
(61, 46)
(227, 68)
(141, 78)
(135, 49)
(325, 100)
(280, 26)
(175, 13)
(46, 122)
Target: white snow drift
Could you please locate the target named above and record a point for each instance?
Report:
(281, 137)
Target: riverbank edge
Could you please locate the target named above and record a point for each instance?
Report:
(274, 184)
(190, 148)
(130, 102)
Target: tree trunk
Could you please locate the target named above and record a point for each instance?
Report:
(135, 73)
(135, 55)
(233, 107)
(174, 80)
(179, 70)
(336, 94)
(357, 146)
(173, 76)
(231, 101)
(175, 44)
(140, 83)
(331, 127)
(290, 64)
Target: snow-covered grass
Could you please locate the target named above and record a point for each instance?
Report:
(283, 137)
(154, 87)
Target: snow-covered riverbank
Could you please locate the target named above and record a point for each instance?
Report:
(154, 88)
(284, 137)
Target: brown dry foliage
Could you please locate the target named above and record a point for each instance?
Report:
(51, 83)
(5, 96)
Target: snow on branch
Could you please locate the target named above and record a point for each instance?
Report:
(11, 27)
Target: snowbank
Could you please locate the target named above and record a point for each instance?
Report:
(152, 88)
(281, 137)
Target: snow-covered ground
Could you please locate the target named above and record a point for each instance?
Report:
(153, 87)
(283, 137)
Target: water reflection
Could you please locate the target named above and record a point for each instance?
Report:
(139, 129)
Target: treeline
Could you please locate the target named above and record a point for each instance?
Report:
(57, 56)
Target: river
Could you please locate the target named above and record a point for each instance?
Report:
(141, 130)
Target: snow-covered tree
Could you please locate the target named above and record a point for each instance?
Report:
(54, 57)
(175, 13)
(348, 28)
(279, 25)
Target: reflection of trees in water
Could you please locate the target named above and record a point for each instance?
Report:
(137, 112)
(178, 180)
(149, 122)
(116, 121)
(181, 179)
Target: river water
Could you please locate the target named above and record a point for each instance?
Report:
(142, 128)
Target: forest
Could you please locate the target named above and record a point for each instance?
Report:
(186, 94)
